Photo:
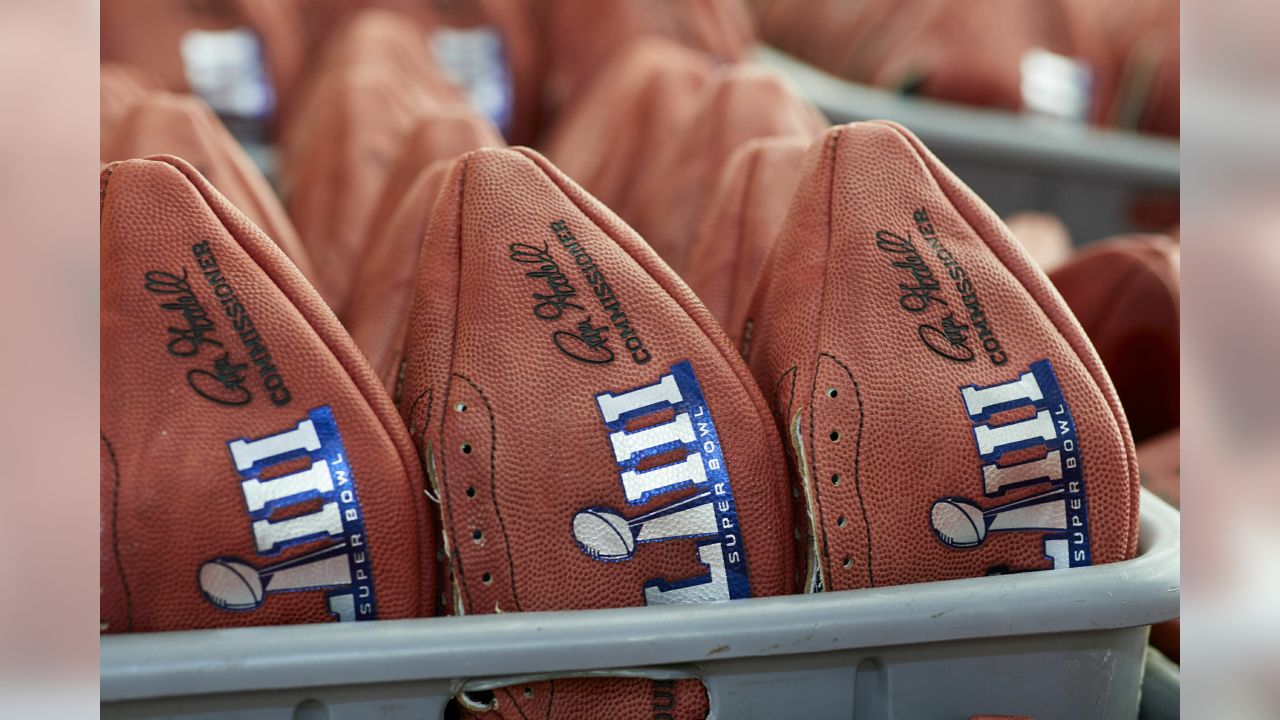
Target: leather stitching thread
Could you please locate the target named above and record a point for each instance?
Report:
(857, 456)
(115, 529)
(835, 144)
(493, 495)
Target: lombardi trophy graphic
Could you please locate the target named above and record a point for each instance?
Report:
(233, 584)
(605, 535)
(960, 523)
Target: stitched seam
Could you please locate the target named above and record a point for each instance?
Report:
(456, 557)
(426, 423)
(791, 401)
(1130, 452)
(460, 578)
(493, 490)
(821, 525)
(413, 411)
(857, 458)
(102, 188)
(507, 691)
(115, 530)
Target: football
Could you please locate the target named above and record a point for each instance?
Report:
(946, 415)
(254, 469)
(556, 368)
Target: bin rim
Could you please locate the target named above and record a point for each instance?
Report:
(1132, 593)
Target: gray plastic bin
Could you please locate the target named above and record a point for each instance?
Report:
(1063, 644)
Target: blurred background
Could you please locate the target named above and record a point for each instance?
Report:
(1066, 116)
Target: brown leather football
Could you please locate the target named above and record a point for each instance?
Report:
(151, 34)
(254, 470)
(945, 414)
(739, 225)
(741, 103)
(947, 51)
(593, 439)
(504, 36)
(443, 134)
(372, 36)
(163, 123)
(378, 314)
(582, 36)
(333, 173)
(1126, 293)
(120, 87)
(617, 123)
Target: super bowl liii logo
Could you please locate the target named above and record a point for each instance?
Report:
(340, 564)
(1059, 513)
(606, 535)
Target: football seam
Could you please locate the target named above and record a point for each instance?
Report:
(507, 691)
(115, 530)
(493, 490)
(455, 560)
(857, 455)
(817, 344)
(1072, 338)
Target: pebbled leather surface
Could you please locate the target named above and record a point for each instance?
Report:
(739, 224)
(741, 103)
(183, 125)
(829, 314)
(508, 424)
(171, 497)
(1126, 292)
(619, 121)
